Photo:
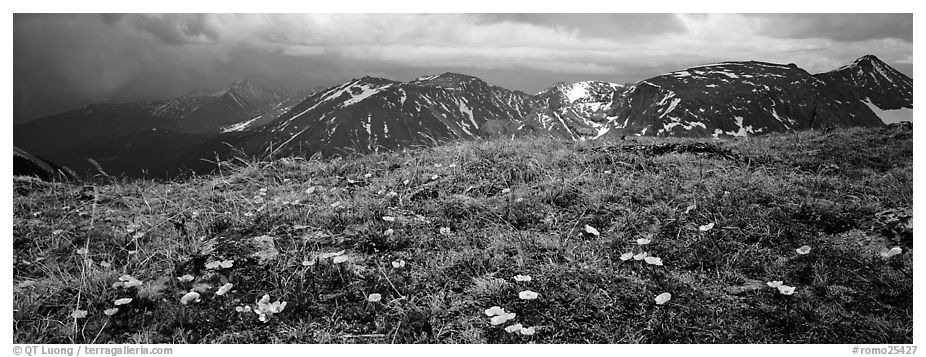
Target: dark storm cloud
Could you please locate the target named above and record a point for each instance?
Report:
(175, 29)
(598, 25)
(66, 61)
(840, 27)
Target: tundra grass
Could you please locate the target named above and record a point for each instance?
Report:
(440, 233)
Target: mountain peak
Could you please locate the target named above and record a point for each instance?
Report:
(449, 80)
(371, 81)
(583, 91)
(871, 79)
(456, 76)
(869, 58)
(866, 62)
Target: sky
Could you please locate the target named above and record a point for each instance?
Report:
(66, 61)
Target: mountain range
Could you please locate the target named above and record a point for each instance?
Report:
(163, 138)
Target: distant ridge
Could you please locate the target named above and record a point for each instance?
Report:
(371, 114)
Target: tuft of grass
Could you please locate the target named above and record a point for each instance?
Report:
(513, 207)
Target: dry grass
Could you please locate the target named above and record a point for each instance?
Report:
(513, 207)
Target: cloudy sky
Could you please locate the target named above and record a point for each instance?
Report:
(64, 61)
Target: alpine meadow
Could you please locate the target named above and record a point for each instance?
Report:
(462, 179)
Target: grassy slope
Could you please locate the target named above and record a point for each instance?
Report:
(767, 196)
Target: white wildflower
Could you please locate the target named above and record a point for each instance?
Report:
(79, 314)
(653, 261)
(190, 297)
(494, 310)
(661, 299)
(224, 289)
(786, 290)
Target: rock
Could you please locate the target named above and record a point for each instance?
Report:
(265, 249)
(904, 125)
(750, 286)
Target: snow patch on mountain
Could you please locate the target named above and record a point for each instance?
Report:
(367, 90)
(690, 125)
(426, 78)
(239, 126)
(672, 106)
(291, 138)
(743, 131)
(576, 91)
(892, 115)
(602, 130)
(469, 112)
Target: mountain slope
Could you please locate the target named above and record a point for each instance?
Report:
(578, 110)
(725, 99)
(242, 101)
(737, 98)
(129, 138)
(371, 114)
(872, 79)
(886, 91)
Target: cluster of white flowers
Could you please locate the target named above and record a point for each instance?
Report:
(127, 281)
(498, 315)
(224, 264)
(642, 255)
(783, 289)
(264, 308)
(517, 328)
